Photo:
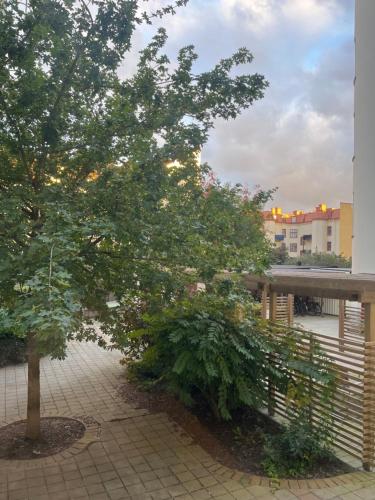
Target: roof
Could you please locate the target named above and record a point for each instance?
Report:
(329, 283)
(329, 214)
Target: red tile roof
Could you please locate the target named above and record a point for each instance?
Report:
(329, 214)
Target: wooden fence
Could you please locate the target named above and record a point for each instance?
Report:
(352, 407)
(350, 352)
(352, 320)
(281, 308)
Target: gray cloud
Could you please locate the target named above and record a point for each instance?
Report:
(300, 136)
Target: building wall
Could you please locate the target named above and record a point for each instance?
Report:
(346, 229)
(319, 236)
(364, 144)
(339, 237)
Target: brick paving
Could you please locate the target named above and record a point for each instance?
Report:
(130, 454)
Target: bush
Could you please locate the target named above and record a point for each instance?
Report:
(307, 438)
(298, 449)
(209, 345)
(279, 255)
(319, 259)
(12, 349)
(215, 345)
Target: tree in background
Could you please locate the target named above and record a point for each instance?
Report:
(279, 255)
(320, 260)
(89, 203)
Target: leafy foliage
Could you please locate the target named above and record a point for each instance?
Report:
(307, 438)
(279, 255)
(214, 345)
(208, 344)
(12, 349)
(90, 199)
(298, 449)
(320, 259)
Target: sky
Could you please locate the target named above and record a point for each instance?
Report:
(299, 138)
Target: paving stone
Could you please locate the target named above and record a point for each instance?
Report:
(287, 495)
(139, 456)
(348, 496)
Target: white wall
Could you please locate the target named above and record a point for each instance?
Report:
(364, 140)
(319, 236)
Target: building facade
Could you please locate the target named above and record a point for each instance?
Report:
(325, 230)
(364, 144)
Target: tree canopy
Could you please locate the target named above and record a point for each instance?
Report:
(100, 188)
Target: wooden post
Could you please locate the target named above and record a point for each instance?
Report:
(271, 390)
(341, 323)
(310, 387)
(290, 309)
(368, 389)
(273, 306)
(264, 301)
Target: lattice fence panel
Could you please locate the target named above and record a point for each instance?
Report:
(354, 321)
(352, 407)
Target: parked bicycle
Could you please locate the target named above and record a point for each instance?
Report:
(306, 306)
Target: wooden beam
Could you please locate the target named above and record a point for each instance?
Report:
(264, 301)
(290, 309)
(305, 291)
(311, 283)
(369, 388)
(271, 389)
(341, 323)
(273, 305)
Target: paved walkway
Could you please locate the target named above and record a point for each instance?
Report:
(326, 325)
(135, 455)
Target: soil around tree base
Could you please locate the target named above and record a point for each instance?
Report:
(236, 444)
(58, 433)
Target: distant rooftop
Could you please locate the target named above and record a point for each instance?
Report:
(321, 212)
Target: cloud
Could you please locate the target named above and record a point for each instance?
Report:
(312, 16)
(307, 16)
(256, 14)
(300, 136)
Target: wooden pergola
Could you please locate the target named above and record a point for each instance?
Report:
(318, 283)
(278, 288)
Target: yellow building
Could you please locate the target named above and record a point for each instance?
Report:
(325, 230)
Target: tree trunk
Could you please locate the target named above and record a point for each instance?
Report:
(33, 390)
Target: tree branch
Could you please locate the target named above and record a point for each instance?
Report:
(13, 123)
(88, 11)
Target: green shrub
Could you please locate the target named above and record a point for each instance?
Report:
(209, 345)
(298, 449)
(215, 345)
(307, 438)
(319, 259)
(12, 349)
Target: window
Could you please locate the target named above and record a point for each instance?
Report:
(283, 232)
(293, 247)
(293, 233)
(329, 230)
(329, 246)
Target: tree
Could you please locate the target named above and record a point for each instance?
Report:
(320, 260)
(279, 255)
(89, 201)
